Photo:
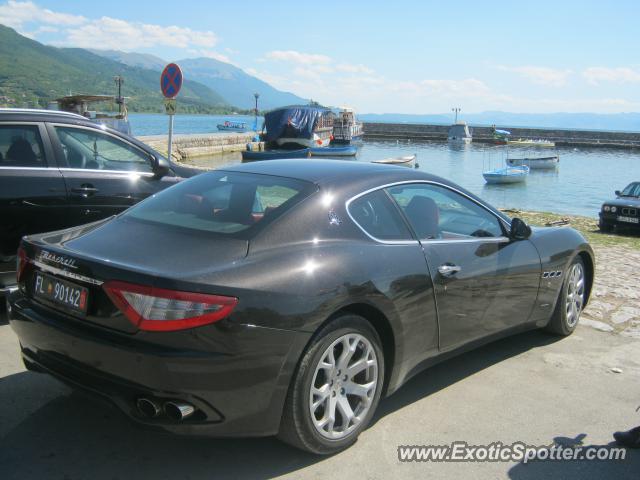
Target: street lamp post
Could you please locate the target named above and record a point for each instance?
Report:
(456, 110)
(256, 95)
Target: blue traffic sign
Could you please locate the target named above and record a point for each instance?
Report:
(171, 80)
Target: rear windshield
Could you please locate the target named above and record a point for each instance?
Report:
(227, 203)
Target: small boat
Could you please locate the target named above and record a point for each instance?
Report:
(255, 155)
(346, 151)
(535, 163)
(500, 137)
(459, 133)
(229, 126)
(507, 175)
(346, 129)
(300, 125)
(531, 142)
(406, 161)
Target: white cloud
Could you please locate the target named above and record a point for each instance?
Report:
(597, 75)
(541, 75)
(298, 57)
(105, 32)
(15, 14)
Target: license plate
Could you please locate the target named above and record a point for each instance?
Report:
(628, 219)
(61, 292)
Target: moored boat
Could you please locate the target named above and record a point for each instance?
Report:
(531, 142)
(507, 175)
(346, 128)
(303, 125)
(256, 155)
(406, 161)
(535, 163)
(345, 151)
(459, 133)
(231, 126)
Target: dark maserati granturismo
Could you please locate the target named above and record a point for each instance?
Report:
(286, 297)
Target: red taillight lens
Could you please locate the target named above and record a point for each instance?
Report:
(21, 262)
(157, 309)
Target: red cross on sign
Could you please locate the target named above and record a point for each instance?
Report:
(171, 80)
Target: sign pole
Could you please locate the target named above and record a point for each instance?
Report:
(170, 136)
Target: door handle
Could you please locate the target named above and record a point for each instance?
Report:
(448, 269)
(84, 191)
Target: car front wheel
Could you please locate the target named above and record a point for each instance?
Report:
(336, 388)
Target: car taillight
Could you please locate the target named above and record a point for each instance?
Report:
(21, 262)
(157, 309)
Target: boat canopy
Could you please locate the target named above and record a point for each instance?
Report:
(503, 132)
(292, 122)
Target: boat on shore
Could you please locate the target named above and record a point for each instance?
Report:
(299, 125)
(531, 142)
(343, 151)
(257, 155)
(346, 128)
(459, 133)
(406, 161)
(506, 175)
(231, 126)
(535, 163)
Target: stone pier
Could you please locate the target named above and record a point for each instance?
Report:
(562, 137)
(202, 144)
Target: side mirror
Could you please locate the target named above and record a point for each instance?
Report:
(519, 230)
(160, 166)
(617, 192)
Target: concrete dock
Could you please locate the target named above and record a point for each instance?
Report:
(484, 134)
(186, 147)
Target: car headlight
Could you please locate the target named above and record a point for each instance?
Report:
(606, 208)
(613, 209)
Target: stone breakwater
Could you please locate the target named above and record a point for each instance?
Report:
(186, 147)
(484, 134)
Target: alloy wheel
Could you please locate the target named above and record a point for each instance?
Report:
(343, 386)
(575, 294)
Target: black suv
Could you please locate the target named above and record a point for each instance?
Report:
(59, 170)
(624, 211)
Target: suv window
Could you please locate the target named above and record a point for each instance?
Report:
(221, 202)
(437, 212)
(21, 146)
(95, 150)
(376, 215)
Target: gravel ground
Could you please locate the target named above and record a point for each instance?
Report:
(534, 388)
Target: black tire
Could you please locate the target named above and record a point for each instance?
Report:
(559, 323)
(297, 427)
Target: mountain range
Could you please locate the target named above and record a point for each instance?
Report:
(33, 74)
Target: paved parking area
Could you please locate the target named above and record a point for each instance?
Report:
(532, 388)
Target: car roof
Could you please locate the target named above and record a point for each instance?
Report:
(348, 176)
(31, 115)
(333, 172)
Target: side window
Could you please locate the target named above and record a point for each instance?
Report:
(21, 146)
(377, 215)
(437, 212)
(98, 151)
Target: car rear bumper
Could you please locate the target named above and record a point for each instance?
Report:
(239, 392)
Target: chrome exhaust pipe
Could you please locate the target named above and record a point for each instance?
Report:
(178, 411)
(148, 408)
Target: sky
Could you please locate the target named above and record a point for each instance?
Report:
(391, 56)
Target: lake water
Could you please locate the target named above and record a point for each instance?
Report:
(584, 178)
(158, 124)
